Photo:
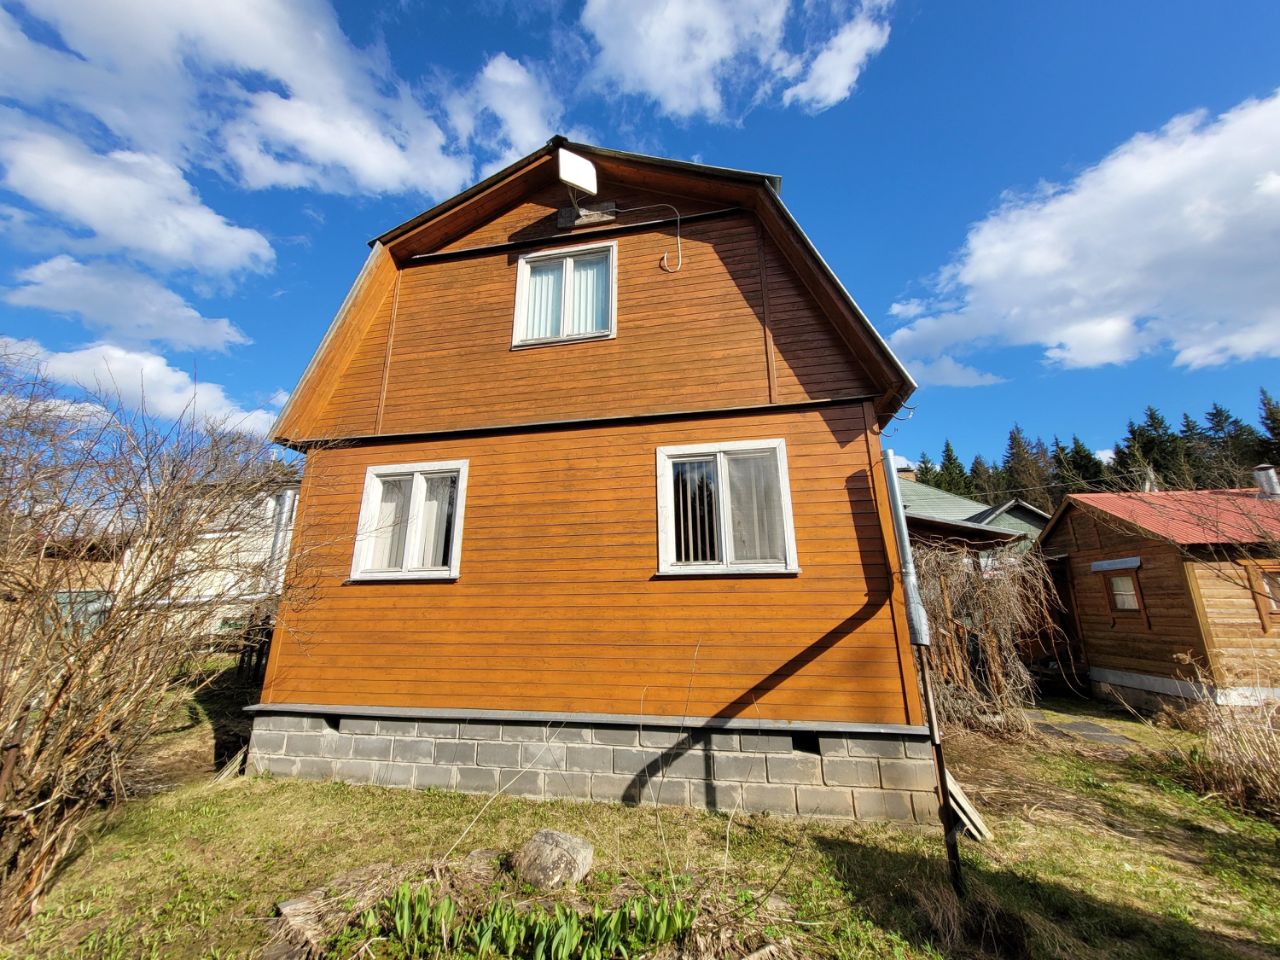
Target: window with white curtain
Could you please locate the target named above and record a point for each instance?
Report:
(565, 295)
(410, 524)
(725, 508)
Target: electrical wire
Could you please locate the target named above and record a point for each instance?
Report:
(663, 263)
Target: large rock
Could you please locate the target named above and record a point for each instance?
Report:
(551, 859)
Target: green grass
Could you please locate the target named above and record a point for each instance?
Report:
(1098, 853)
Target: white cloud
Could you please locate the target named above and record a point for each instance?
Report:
(509, 107)
(279, 398)
(131, 201)
(274, 88)
(704, 57)
(1107, 456)
(907, 309)
(126, 306)
(141, 380)
(833, 73)
(1170, 242)
(946, 371)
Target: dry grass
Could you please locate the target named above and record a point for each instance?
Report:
(1098, 853)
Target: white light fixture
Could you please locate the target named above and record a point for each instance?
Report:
(577, 173)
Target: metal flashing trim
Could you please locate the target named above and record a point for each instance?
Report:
(1145, 681)
(620, 719)
(1126, 563)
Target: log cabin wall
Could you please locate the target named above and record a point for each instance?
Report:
(1244, 635)
(558, 609)
(1148, 641)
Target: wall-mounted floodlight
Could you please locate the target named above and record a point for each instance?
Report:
(577, 173)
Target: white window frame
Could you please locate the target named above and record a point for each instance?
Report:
(667, 565)
(566, 254)
(366, 528)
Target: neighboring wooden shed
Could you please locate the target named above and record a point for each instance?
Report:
(1168, 587)
(608, 482)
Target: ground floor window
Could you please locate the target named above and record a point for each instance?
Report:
(410, 524)
(725, 508)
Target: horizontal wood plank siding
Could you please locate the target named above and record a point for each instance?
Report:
(558, 608)
(1243, 653)
(811, 360)
(686, 341)
(1125, 641)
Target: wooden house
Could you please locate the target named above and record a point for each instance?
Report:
(939, 516)
(1173, 594)
(594, 507)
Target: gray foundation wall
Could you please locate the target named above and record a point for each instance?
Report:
(865, 776)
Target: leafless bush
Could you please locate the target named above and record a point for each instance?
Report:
(114, 553)
(985, 611)
(1239, 757)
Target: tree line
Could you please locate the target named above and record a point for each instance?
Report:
(1218, 450)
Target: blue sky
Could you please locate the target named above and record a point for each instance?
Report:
(1057, 213)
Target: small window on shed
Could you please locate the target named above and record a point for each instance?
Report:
(1123, 592)
(1271, 587)
(564, 295)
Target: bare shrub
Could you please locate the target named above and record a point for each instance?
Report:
(1238, 760)
(985, 610)
(112, 559)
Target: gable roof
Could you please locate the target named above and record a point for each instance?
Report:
(430, 232)
(930, 510)
(1185, 517)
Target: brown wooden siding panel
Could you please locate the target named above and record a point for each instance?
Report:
(535, 216)
(352, 409)
(1125, 641)
(691, 340)
(311, 405)
(1243, 653)
(558, 609)
(811, 360)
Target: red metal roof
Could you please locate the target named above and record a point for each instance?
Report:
(1193, 516)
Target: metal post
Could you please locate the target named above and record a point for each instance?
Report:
(918, 625)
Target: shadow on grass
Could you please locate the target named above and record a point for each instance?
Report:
(220, 702)
(1006, 915)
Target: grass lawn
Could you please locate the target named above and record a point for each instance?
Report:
(1098, 853)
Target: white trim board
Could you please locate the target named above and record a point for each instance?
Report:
(1186, 689)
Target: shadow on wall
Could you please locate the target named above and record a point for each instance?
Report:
(646, 785)
(1006, 914)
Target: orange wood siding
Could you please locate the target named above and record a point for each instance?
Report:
(686, 341)
(1243, 653)
(558, 609)
(1126, 641)
(535, 215)
(311, 412)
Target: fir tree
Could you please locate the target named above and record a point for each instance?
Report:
(952, 475)
(986, 481)
(1025, 470)
(1270, 419)
(1151, 444)
(926, 472)
(1077, 469)
(1234, 448)
(1197, 452)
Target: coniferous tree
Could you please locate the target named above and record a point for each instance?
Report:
(1197, 452)
(952, 475)
(926, 472)
(986, 481)
(1077, 469)
(1270, 419)
(1234, 447)
(1025, 470)
(1151, 444)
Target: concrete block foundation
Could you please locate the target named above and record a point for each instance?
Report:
(846, 775)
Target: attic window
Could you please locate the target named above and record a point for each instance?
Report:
(564, 295)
